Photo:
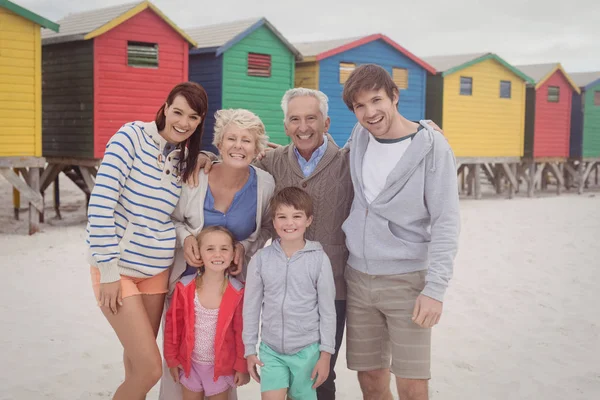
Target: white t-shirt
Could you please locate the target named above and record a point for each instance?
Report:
(380, 159)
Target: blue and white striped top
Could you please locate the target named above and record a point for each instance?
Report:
(137, 187)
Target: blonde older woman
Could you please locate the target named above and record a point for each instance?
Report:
(234, 194)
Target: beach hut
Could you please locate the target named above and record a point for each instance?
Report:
(585, 128)
(548, 111)
(479, 101)
(547, 122)
(20, 103)
(326, 66)
(243, 64)
(106, 67)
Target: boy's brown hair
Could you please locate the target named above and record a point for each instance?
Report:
(368, 77)
(294, 197)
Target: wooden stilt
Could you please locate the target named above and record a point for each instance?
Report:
(532, 178)
(498, 178)
(34, 212)
(57, 197)
(477, 177)
(470, 179)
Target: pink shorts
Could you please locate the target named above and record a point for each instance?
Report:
(201, 379)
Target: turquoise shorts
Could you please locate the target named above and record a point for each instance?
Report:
(292, 372)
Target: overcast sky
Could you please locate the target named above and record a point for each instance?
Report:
(520, 31)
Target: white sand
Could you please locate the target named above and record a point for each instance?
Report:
(521, 319)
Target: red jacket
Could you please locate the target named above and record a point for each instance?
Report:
(180, 322)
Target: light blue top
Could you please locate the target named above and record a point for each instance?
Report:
(240, 218)
(309, 166)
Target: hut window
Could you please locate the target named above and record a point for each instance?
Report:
(553, 94)
(259, 65)
(345, 71)
(400, 77)
(143, 55)
(597, 98)
(466, 86)
(505, 90)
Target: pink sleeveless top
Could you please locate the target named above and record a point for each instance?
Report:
(204, 334)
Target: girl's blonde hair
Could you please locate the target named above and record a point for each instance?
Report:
(199, 238)
(243, 119)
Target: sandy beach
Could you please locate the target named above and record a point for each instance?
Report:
(520, 318)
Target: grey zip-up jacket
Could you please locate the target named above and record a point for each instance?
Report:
(414, 223)
(296, 297)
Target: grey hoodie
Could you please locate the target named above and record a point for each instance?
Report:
(296, 296)
(414, 223)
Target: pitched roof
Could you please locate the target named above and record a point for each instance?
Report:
(444, 63)
(583, 79)
(541, 72)
(312, 49)
(221, 37)
(450, 64)
(31, 16)
(89, 24)
(318, 51)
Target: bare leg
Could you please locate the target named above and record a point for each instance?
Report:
(189, 395)
(221, 396)
(136, 334)
(375, 385)
(279, 394)
(412, 389)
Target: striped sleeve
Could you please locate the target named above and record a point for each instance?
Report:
(110, 181)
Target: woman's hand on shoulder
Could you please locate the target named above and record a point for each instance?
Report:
(238, 260)
(191, 253)
(203, 161)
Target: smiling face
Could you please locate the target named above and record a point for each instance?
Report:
(377, 112)
(216, 251)
(237, 147)
(305, 125)
(290, 223)
(180, 121)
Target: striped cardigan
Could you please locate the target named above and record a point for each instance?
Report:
(129, 229)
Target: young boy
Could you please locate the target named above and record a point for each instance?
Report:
(291, 283)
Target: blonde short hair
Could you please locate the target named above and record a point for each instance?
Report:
(243, 119)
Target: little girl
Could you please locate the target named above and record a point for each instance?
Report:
(203, 327)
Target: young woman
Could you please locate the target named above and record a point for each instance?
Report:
(131, 237)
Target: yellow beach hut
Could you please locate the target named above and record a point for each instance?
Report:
(21, 103)
(21, 80)
(479, 101)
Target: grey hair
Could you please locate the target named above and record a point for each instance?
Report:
(300, 92)
(243, 119)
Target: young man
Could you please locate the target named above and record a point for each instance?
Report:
(290, 284)
(402, 235)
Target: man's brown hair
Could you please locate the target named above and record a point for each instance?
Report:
(294, 197)
(368, 77)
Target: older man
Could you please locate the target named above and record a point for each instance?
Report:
(314, 162)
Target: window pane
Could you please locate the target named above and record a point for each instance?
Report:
(553, 94)
(505, 89)
(259, 65)
(466, 86)
(400, 77)
(143, 55)
(345, 71)
(596, 98)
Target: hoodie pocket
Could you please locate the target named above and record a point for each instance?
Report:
(382, 244)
